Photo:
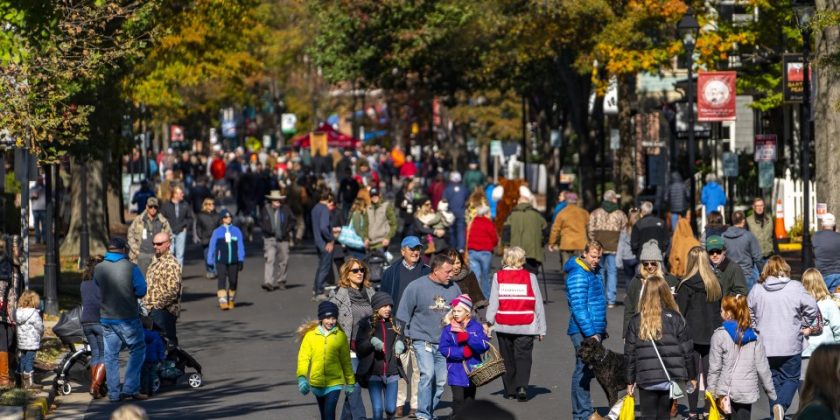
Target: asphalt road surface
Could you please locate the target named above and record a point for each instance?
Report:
(249, 354)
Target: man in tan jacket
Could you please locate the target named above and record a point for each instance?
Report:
(605, 225)
(568, 233)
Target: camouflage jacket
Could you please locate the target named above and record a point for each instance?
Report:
(135, 233)
(164, 284)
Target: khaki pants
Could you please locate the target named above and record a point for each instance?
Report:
(276, 261)
(413, 373)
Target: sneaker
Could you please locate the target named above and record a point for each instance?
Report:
(778, 412)
(611, 305)
(267, 287)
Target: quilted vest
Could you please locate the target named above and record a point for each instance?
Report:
(516, 298)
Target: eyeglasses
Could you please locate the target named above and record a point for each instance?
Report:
(716, 252)
(647, 264)
(357, 270)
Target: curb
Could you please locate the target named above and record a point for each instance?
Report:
(37, 409)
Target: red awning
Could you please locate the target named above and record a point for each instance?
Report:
(334, 138)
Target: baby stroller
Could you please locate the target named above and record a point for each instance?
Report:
(378, 262)
(69, 331)
(175, 365)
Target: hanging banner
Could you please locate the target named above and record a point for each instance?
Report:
(765, 147)
(716, 96)
(793, 77)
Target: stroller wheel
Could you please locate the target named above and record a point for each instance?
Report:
(66, 388)
(195, 380)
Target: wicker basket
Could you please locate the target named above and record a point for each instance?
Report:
(492, 367)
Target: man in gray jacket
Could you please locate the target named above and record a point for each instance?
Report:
(742, 248)
(423, 305)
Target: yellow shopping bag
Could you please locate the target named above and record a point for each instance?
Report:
(714, 414)
(628, 409)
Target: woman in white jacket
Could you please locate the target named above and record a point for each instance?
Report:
(829, 311)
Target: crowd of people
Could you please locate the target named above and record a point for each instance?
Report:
(698, 308)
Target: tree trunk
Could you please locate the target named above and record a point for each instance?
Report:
(578, 88)
(624, 156)
(827, 131)
(94, 206)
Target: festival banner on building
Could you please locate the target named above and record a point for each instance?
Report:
(716, 96)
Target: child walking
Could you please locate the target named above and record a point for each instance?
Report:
(737, 362)
(226, 254)
(462, 342)
(30, 328)
(378, 346)
(324, 358)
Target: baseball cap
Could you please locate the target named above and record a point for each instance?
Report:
(715, 242)
(374, 191)
(152, 201)
(224, 213)
(828, 219)
(116, 243)
(410, 242)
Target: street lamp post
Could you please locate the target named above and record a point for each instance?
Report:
(804, 11)
(688, 28)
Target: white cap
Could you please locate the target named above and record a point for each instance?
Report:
(828, 219)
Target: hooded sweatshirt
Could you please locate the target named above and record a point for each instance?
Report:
(780, 308)
(742, 248)
(736, 370)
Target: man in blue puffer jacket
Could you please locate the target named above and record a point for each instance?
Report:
(588, 319)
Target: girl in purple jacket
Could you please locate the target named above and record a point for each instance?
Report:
(462, 342)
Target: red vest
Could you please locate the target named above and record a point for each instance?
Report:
(516, 298)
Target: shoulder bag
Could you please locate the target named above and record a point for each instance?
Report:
(674, 390)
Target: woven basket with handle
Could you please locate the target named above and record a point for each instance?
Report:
(492, 367)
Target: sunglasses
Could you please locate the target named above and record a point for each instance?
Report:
(650, 264)
(416, 249)
(151, 207)
(716, 252)
(160, 243)
(357, 270)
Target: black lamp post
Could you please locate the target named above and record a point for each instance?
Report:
(804, 11)
(688, 28)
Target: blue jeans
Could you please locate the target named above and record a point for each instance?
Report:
(117, 336)
(457, 233)
(785, 371)
(432, 379)
(324, 268)
(27, 361)
(832, 281)
(480, 265)
(179, 242)
(608, 263)
(383, 396)
(354, 407)
(94, 335)
(581, 379)
(39, 216)
(751, 278)
(327, 404)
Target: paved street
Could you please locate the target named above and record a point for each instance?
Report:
(249, 354)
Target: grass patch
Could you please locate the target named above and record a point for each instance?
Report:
(14, 397)
(51, 351)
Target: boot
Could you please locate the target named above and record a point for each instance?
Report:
(231, 298)
(5, 382)
(97, 378)
(674, 408)
(29, 382)
(223, 302)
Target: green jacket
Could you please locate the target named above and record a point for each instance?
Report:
(377, 230)
(473, 179)
(325, 358)
(731, 276)
(634, 293)
(764, 233)
(525, 228)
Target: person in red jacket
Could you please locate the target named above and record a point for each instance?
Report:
(482, 238)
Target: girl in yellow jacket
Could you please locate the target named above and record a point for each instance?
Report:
(324, 357)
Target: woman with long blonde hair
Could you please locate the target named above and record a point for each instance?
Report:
(698, 298)
(814, 284)
(658, 350)
(783, 312)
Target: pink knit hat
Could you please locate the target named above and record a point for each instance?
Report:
(463, 300)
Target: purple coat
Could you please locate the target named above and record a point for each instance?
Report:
(454, 352)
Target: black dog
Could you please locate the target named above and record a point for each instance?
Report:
(608, 366)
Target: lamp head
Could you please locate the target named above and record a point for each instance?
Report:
(688, 27)
(804, 11)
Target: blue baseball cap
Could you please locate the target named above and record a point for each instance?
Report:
(410, 242)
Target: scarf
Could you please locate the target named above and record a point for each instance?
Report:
(461, 274)
(609, 206)
(732, 328)
(458, 326)
(760, 218)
